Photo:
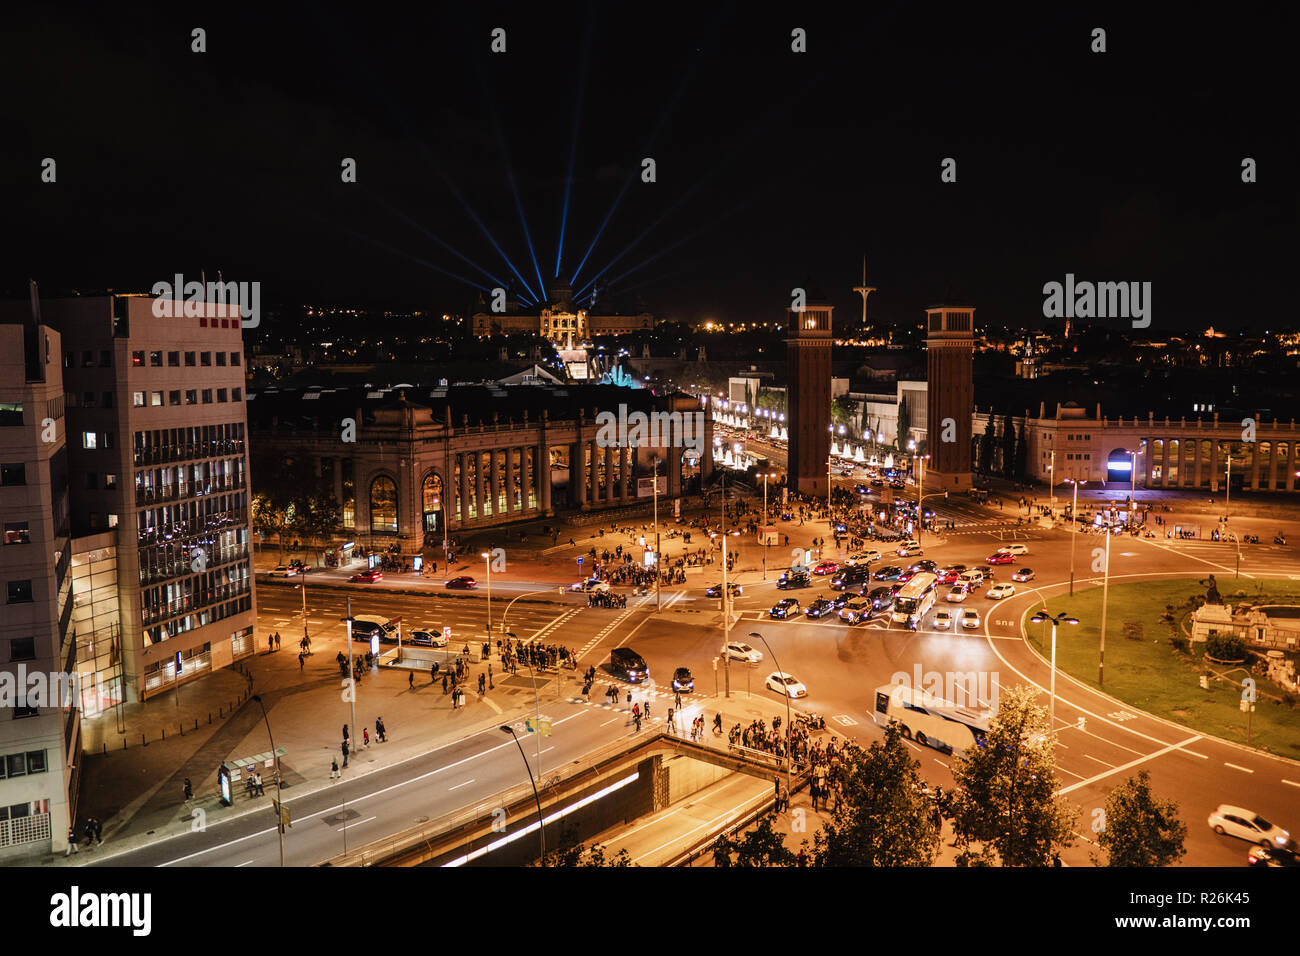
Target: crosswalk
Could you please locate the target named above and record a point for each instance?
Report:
(1256, 560)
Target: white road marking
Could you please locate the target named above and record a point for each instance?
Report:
(357, 824)
(612, 720)
(1099, 760)
(245, 863)
(1290, 783)
(1130, 764)
(1235, 767)
(459, 785)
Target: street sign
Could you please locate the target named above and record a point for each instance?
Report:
(579, 560)
(446, 633)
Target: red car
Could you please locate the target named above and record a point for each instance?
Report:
(906, 576)
(464, 582)
(367, 577)
(948, 575)
(826, 567)
(1000, 557)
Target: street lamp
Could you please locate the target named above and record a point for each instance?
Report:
(1062, 618)
(920, 511)
(303, 584)
(487, 562)
(541, 826)
(788, 756)
(1074, 521)
(279, 819)
(766, 475)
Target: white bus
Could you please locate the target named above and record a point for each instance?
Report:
(915, 599)
(930, 720)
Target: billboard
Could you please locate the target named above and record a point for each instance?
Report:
(645, 487)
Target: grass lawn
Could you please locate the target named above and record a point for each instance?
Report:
(1152, 676)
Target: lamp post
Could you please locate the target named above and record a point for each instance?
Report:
(279, 820)
(788, 756)
(1074, 521)
(487, 563)
(766, 476)
(541, 826)
(1105, 594)
(1062, 618)
(352, 687)
(303, 584)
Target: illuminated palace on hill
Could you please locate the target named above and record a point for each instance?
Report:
(557, 320)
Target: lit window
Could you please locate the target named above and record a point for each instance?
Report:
(89, 440)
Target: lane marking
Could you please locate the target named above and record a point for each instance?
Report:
(1235, 767)
(245, 863)
(1104, 763)
(357, 824)
(1290, 783)
(459, 785)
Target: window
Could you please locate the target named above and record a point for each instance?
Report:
(207, 396)
(191, 396)
(14, 473)
(221, 394)
(69, 359)
(16, 533)
(189, 359)
(137, 358)
(221, 359)
(174, 397)
(20, 592)
(106, 399)
(16, 765)
(36, 761)
(22, 649)
(383, 506)
(87, 359)
(174, 359)
(92, 480)
(155, 398)
(155, 359)
(236, 394)
(205, 358)
(234, 358)
(110, 482)
(137, 399)
(11, 413)
(107, 438)
(88, 400)
(22, 710)
(112, 520)
(89, 440)
(106, 358)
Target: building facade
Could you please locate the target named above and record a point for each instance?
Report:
(950, 396)
(808, 356)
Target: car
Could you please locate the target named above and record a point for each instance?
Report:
(943, 619)
(909, 550)
(971, 579)
(826, 567)
(820, 608)
(462, 583)
(784, 608)
(880, 598)
(428, 638)
(926, 565)
(956, 594)
(1023, 574)
(369, 576)
(297, 565)
(865, 557)
(785, 685)
(788, 581)
(1273, 856)
(855, 575)
(283, 571)
(591, 585)
(985, 571)
(1248, 825)
(683, 680)
(627, 663)
(906, 576)
(855, 612)
(1016, 549)
(840, 598)
(970, 618)
(861, 490)
(1000, 591)
(947, 575)
(888, 573)
(1001, 557)
(735, 590)
(740, 651)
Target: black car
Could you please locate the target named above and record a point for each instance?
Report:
(787, 581)
(924, 565)
(783, 609)
(716, 591)
(841, 598)
(880, 598)
(890, 572)
(683, 681)
(862, 489)
(628, 664)
(851, 577)
(820, 608)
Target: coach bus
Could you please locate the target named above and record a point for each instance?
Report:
(930, 720)
(916, 598)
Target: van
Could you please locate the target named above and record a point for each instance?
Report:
(972, 578)
(628, 664)
(364, 626)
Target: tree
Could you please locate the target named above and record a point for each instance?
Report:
(1138, 829)
(1008, 447)
(1006, 810)
(904, 423)
(571, 853)
(760, 846)
(986, 447)
(885, 819)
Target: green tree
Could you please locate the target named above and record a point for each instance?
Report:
(760, 846)
(1006, 810)
(1139, 829)
(885, 819)
(571, 853)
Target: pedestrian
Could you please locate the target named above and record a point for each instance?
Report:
(410, 680)
(301, 662)
(345, 755)
(365, 736)
(72, 843)
(90, 831)
(277, 640)
(334, 769)
(668, 721)
(380, 730)
(99, 830)
(270, 643)
(629, 698)
(647, 708)
(345, 731)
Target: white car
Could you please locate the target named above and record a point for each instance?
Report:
(1248, 825)
(786, 685)
(943, 619)
(972, 578)
(909, 550)
(956, 594)
(1000, 591)
(970, 618)
(1016, 549)
(740, 651)
(599, 587)
(283, 571)
(427, 638)
(866, 557)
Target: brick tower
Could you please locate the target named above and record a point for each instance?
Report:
(808, 357)
(950, 396)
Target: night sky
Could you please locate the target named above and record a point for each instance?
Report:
(771, 165)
